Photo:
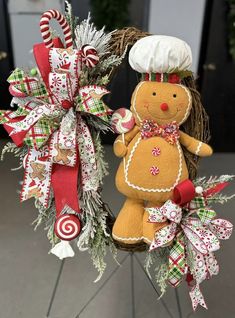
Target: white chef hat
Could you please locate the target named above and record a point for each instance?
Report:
(160, 54)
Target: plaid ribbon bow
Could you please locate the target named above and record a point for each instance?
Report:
(192, 230)
(170, 132)
(49, 121)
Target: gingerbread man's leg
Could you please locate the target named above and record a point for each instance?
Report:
(149, 229)
(128, 227)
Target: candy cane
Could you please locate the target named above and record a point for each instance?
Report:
(45, 29)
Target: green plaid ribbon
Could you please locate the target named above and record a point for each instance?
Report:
(206, 215)
(6, 115)
(92, 106)
(177, 262)
(197, 203)
(28, 85)
(38, 135)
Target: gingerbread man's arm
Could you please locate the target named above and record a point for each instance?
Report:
(122, 141)
(195, 146)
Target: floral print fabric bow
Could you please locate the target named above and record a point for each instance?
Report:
(170, 132)
(193, 235)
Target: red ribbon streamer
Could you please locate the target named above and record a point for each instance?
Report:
(219, 187)
(41, 54)
(18, 138)
(64, 182)
(184, 192)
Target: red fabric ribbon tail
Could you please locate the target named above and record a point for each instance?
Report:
(41, 54)
(184, 192)
(65, 186)
(218, 188)
(17, 138)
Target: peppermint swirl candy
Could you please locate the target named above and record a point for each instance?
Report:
(67, 227)
(89, 55)
(122, 121)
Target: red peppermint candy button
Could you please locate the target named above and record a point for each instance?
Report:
(67, 227)
(154, 170)
(156, 151)
(66, 104)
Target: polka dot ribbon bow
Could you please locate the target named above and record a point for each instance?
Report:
(48, 120)
(192, 234)
(170, 132)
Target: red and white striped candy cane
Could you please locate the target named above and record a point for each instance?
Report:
(45, 29)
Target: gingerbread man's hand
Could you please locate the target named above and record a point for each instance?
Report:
(122, 141)
(119, 147)
(195, 146)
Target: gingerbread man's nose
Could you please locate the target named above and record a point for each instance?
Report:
(164, 107)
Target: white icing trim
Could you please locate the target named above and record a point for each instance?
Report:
(189, 104)
(134, 100)
(131, 238)
(126, 168)
(198, 148)
(116, 141)
(123, 138)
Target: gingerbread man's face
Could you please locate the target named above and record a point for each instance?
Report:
(161, 102)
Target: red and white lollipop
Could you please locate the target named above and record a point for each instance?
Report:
(89, 55)
(122, 121)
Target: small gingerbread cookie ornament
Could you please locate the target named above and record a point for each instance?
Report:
(153, 160)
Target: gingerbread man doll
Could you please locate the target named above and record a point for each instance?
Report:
(153, 161)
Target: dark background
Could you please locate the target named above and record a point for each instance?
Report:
(216, 67)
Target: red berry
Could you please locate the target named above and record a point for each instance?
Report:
(66, 104)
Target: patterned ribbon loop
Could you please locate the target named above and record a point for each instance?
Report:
(62, 87)
(197, 297)
(89, 172)
(203, 266)
(201, 238)
(193, 234)
(90, 101)
(206, 215)
(169, 210)
(221, 228)
(164, 236)
(37, 175)
(177, 261)
(22, 85)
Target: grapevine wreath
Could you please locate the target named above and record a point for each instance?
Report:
(55, 128)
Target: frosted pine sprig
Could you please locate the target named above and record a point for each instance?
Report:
(86, 33)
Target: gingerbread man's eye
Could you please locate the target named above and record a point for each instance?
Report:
(154, 94)
(174, 95)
